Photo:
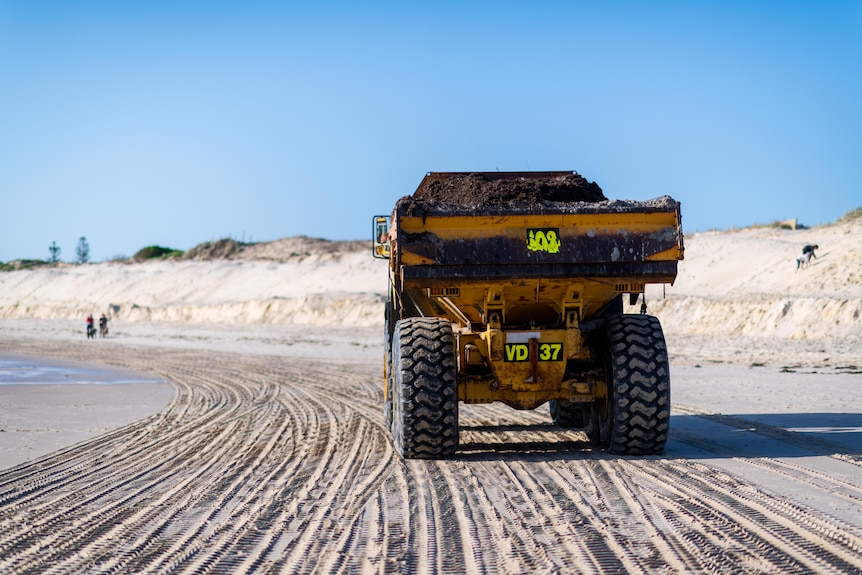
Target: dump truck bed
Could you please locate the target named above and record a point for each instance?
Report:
(466, 232)
(608, 239)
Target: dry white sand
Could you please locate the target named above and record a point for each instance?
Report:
(746, 283)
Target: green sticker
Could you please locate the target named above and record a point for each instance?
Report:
(543, 240)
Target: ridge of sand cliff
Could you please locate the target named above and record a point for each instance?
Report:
(746, 283)
(293, 280)
(730, 283)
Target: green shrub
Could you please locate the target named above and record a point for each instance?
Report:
(151, 252)
(219, 249)
(21, 265)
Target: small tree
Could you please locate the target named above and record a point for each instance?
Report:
(54, 249)
(83, 250)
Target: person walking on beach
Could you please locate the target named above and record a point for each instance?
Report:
(103, 326)
(91, 329)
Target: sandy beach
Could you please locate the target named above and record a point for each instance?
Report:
(258, 426)
(49, 404)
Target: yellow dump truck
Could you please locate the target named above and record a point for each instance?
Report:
(509, 287)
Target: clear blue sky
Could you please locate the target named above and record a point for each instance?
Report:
(174, 123)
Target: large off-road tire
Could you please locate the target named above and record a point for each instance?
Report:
(631, 415)
(566, 413)
(387, 374)
(425, 392)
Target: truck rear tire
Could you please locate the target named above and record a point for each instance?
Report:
(631, 416)
(425, 390)
(387, 374)
(566, 414)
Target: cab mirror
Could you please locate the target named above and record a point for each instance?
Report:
(380, 240)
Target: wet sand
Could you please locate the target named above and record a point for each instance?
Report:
(48, 405)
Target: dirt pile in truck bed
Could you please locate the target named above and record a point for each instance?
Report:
(506, 193)
(477, 191)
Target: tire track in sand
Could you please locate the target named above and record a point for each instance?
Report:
(267, 464)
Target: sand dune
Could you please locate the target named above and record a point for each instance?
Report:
(730, 283)
(321, 288)
(746, 283)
